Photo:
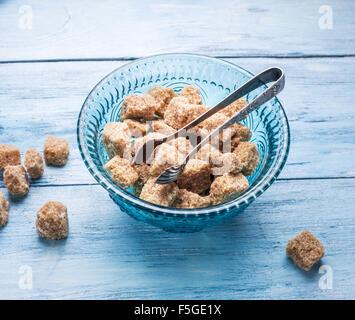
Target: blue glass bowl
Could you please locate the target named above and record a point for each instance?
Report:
(216, 79)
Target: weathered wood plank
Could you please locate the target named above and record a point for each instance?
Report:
(105, 29)
(45, 98)
(110, 255)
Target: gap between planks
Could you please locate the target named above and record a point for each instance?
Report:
(278, 56)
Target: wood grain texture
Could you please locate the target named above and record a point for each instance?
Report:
(105, 29)
(109, 255)
(45, 98)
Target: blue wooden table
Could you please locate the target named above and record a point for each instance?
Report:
(53, 52)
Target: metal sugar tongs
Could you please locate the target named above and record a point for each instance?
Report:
(274, 74)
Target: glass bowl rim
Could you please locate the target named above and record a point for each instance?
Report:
(245, 198)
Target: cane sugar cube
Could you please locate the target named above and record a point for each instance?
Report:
(34, 163)
(52, 221)
(196, 176)
(249, 157)
(136, 128)
(176, 113)
(227, 187)
(150, 145)
(179, 112)
(142, 171)
(305, 250)
(160, 126)
(116, 139)
(209, 153)
(138, 107)
(162, 98)
(234, 107)
(56, 151)
(150, 136)
(160, 194)
(181, 144)
(192, 94)
(16, 180)
(4, 209)
(225, 163)
(190, 200)
(9, 156)
(193, 111)
(121, 172)
(243, 134)
(165, 156)
(212, 123)
(223, 140)
(143, 176)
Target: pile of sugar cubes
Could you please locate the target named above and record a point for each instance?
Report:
(216, 174)
(52, 218)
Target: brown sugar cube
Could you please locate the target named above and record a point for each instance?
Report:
(225, 163)
(9, 156)
(143, 176)
(190, 200)
(212, 123)
(143, 171)
(192, 94)
(209, 153)
(4, 209)
(161, 194)
(179, 112)
(243, 134)
(234, 107)
(227, 187)
(161, 127)
(116, 139)
(181, 144)
(34, 163)
(16, 180)
(56, 151)
(223, 140)
(138, 107)
(176, 113)
(142, 140)
(52, 221)
(305, 250)
(136, 128)
(196, 176)
(165, 156)
(150, 136)
(193, 111)
(249, 157)
(162, 98)
(121, 172)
